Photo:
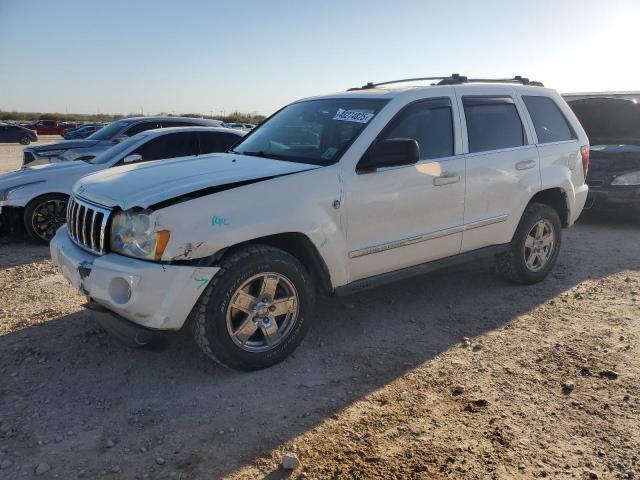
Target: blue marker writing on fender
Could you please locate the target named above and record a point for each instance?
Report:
(201, 281)
(219, 221)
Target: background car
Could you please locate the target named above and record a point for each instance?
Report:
(37, 197)
(613, 128)
(105, 138)
(50, 127)
(16, 133)
(81, 132)
(241, 126)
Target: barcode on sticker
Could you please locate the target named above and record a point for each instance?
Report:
(352, 116)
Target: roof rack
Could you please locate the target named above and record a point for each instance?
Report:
(455, 79)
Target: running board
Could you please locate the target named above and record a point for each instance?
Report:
(403, 273)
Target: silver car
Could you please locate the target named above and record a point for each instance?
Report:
(105, 138)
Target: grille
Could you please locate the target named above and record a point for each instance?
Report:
(595, 183)
(87, 225)
(27, 157)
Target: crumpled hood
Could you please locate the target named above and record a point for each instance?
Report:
(608, 121)
(65, 145)
(146, 184)
(43, 172)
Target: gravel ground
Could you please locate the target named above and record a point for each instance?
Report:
(452, 375)
(11, 153)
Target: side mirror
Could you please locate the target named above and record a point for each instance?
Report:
(120, 138)
(394, 152)
(132, 158)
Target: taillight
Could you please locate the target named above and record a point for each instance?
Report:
(584, 151)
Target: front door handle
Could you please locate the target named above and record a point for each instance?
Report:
(526, 164)
(446, 179)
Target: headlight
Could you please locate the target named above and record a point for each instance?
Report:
(132, 234)
(632, 178)
(50, 153)
(4, 194)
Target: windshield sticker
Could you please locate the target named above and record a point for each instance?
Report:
(353, 116)
(329, 153)
(219, 221)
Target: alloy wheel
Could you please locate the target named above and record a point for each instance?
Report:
(48, 217)
(262, 312)
(539, 245)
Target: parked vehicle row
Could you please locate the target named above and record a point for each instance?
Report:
(247, 127)
(332, 194)
(37, 197)
(50, 127)
(104, 138)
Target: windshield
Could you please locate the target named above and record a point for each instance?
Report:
(117, 150)
(313, 131)
(110, 131)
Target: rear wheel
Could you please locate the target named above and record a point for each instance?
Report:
(44, 215)
(253, 313)
(25, 140)
(534, 248)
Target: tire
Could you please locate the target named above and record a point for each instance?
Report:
(215, 322)
(44, 215)
(512, 265)
(25, 140)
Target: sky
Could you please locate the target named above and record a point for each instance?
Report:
(194, 56)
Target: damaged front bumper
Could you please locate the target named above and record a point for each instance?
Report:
(153, 295)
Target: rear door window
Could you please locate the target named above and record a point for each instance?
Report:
(172, 145)
(549, 122)
(493, 123)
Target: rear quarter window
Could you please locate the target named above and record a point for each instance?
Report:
(549, 122)
(493, 123)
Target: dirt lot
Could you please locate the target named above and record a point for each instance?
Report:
(452, 375)
(11, 153)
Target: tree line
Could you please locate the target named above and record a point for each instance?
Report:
(105, 118)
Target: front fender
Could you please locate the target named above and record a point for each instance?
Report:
(21, 196)
(297, 203)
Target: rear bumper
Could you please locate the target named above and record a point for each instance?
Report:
(578, 204)
(613, 197)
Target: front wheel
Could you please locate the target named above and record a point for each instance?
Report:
(25, 140)
(44, 215)
(254, 311)
(534, 248)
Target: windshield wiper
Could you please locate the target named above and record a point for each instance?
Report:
(259, 153)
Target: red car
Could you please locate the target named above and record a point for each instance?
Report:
(50, 127)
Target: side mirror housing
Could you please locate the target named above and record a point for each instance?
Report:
(132, 158)
(394, 152)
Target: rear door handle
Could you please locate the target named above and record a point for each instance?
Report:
(526, 164)
(447, 179)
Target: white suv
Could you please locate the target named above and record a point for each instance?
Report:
(331, 194)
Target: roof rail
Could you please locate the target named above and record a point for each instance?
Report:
(454, 79)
